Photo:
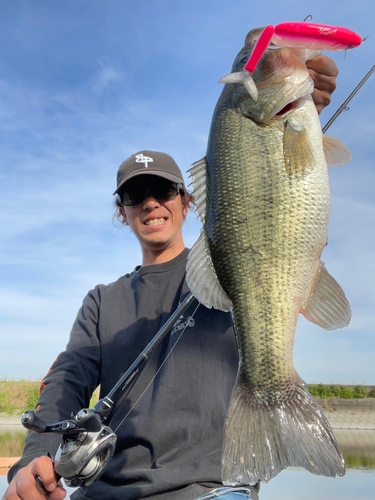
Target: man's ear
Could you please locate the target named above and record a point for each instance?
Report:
(185, 206)
(122, 212)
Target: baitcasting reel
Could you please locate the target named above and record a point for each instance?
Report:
(85, 449)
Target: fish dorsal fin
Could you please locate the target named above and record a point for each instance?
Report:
(327, 306)
(201, 277)
(335, 152)
(198, 175)
(298, 151)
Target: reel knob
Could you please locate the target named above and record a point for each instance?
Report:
(32, 422)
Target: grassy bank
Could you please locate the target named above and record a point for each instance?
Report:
(342, 391)
(17, 396)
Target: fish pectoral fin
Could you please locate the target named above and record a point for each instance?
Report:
(327, 306)
(201, 277)
(198, 175)
(335, 152)
(298, 151)
(245, 78)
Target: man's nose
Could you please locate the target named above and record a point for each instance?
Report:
(150, 203)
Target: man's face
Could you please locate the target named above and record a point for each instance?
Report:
(157, 224)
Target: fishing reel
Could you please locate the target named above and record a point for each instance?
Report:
(86, 447)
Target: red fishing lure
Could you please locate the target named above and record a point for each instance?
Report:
(303, 35)
(315, 36)
(260, 48)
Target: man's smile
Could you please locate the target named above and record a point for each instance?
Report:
(155, 222)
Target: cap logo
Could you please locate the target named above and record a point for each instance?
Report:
(143, 159)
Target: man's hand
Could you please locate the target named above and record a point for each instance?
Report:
(25, 487)
(323, 71)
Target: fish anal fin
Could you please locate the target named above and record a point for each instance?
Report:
(335, 152)
(298, 151)
(201, 277)
(327, 306)
(262, 438)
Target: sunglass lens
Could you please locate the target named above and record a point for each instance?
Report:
(161, 189)
(133, 195)
(164, 190)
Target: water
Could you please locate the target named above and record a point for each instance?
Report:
(358, 448)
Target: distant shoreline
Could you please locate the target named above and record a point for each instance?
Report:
(349, 413)
(341, 413)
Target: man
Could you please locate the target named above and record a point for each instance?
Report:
(170, 426)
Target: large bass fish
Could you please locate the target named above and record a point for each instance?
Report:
(262, 193)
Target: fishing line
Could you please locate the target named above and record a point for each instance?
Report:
(344, 105)
(346, 108)
(156, 374)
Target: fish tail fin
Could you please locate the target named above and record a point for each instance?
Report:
(263, 439)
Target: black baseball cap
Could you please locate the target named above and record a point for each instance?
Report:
(148, 162)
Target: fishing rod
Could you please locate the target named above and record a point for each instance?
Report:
(87, 444)
(346, 102)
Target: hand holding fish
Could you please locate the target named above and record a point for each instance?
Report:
(323, 71)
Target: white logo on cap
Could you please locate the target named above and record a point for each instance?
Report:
(143, 159)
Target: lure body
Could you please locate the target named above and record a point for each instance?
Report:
(315, 36)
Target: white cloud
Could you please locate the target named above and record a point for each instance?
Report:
(108, 74)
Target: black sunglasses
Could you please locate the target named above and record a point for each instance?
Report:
(136, 191)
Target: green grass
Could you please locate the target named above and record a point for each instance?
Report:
(17, 396)
(341, 391)
(21, 395)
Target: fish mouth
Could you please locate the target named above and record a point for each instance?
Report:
(289, 107)
(294, 99)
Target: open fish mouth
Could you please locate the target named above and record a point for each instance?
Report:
(289, 107)
(295, 98)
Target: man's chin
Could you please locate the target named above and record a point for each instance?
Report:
(157, 244)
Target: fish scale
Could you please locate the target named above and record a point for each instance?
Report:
(263, 198)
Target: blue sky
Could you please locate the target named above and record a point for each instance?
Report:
(83, 85)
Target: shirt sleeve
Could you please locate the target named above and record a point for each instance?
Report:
(70, 382)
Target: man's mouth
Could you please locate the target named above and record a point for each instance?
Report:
(155, 222)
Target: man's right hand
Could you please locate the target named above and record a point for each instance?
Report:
(25, 487)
